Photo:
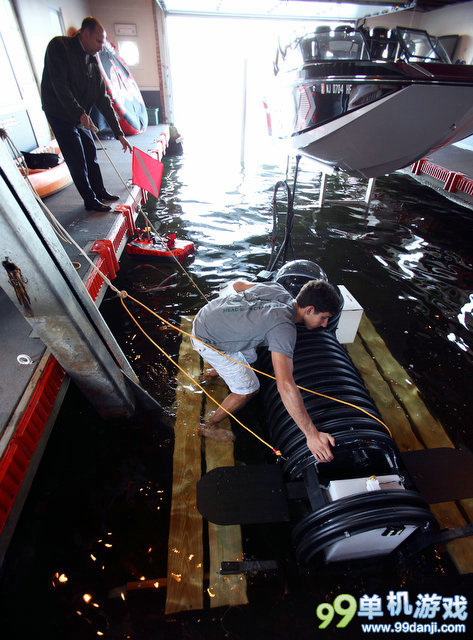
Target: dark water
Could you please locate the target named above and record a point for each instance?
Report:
(97, 516)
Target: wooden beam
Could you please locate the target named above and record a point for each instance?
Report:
(391, 412)
(404, 389)
(224, 541)
(185, 572)
(413, 427)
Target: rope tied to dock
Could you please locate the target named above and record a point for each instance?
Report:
(124, 294)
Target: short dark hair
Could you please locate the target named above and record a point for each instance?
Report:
(90, 24)
(321, 295)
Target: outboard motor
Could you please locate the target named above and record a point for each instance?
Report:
(293, 275)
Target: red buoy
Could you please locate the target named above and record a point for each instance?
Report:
(147, 244)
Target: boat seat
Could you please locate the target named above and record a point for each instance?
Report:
(343, 30)
(381, 44)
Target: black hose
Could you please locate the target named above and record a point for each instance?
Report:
(287, 240)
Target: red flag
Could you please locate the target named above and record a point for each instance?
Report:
(147, 172)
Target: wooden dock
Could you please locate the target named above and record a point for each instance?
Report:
(190, 584)
(413, 427)
(186, 584)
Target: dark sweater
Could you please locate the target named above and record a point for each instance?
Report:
(71, 85)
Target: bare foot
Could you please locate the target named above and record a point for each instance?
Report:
(214, 433)
(212, 377)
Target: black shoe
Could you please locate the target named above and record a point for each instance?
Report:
(96, 205)
(108, 197)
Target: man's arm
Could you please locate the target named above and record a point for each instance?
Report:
(317, 441)
(87, 122)
(242, 285)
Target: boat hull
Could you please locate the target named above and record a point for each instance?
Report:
(392, 132)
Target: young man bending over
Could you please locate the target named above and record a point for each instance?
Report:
(256, 315)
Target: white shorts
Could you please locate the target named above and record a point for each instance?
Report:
(239, 379)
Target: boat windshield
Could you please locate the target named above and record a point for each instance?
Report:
(347, 43)
(418, 46)
(341, 43)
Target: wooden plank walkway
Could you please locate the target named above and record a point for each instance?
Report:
(224, 541)
(185, 573)
(413, 427)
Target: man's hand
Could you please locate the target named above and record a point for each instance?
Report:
(87, 122)
(125, 144)
(319, 444)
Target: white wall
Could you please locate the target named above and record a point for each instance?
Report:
(38, 26)
(457, 20)
(451, 20)
(139, 13)
(39, 21)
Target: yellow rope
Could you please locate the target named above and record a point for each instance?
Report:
(263, 373)
(124, 294)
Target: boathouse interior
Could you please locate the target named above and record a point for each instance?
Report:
(140, 31)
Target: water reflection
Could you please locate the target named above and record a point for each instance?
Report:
(466, 314)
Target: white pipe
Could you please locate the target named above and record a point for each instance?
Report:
(243, 117)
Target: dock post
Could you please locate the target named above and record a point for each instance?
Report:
(369, 191)
(323, 187)
(37, 275)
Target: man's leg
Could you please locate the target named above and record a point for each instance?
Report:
(212, 375)
(69, 140)
(232, 403)
(241, 380)
(93, 168)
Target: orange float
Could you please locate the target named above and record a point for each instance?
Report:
(146, 244)
(48, 181)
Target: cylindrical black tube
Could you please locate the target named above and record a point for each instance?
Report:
(364, 447)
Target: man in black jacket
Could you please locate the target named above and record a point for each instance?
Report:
(71, 85)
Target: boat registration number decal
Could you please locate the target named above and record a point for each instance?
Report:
(334, 87)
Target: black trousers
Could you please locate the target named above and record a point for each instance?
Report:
(80, 154)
